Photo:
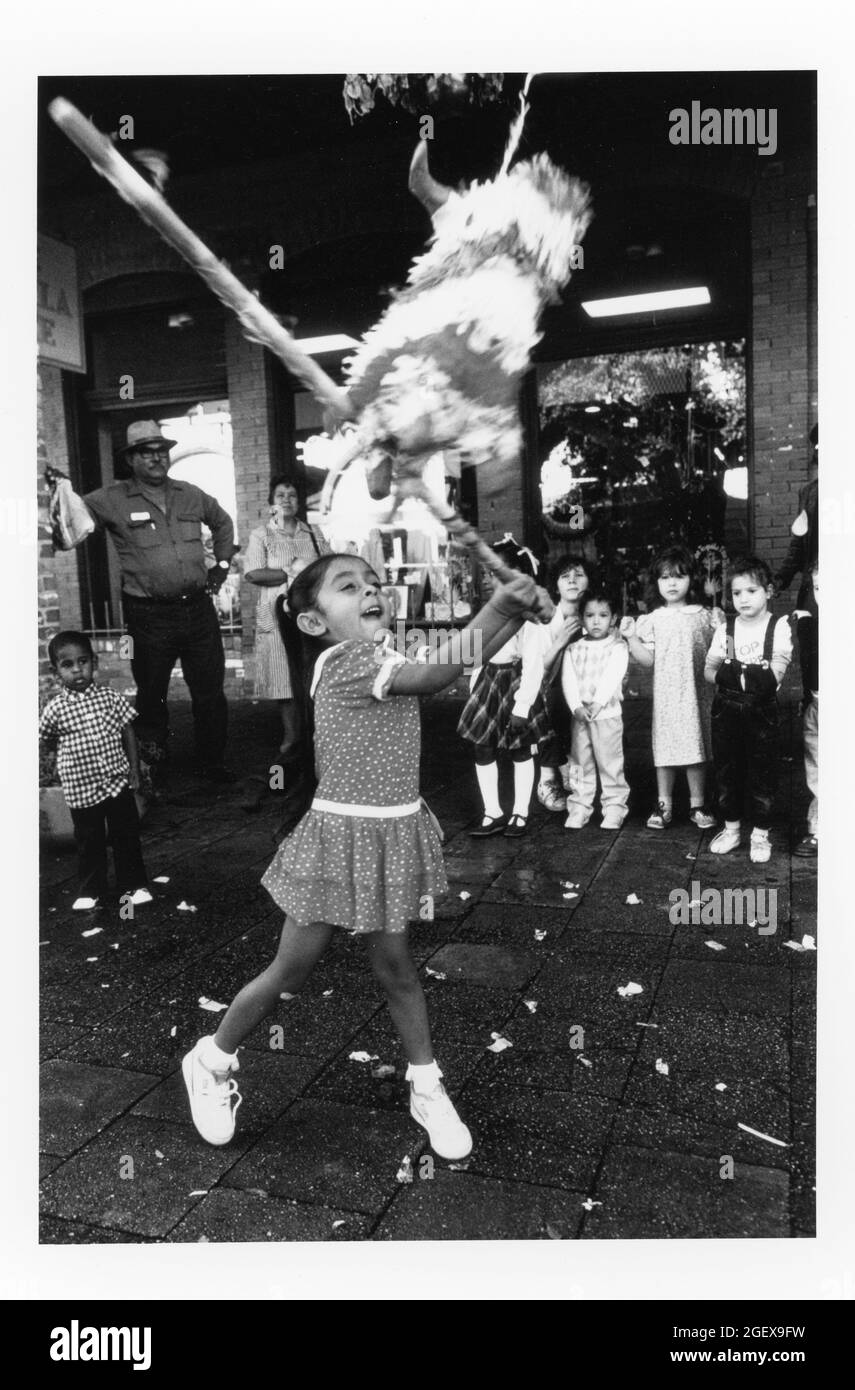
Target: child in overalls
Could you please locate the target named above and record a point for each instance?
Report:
(746, 662)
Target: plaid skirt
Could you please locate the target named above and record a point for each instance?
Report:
(486, 716)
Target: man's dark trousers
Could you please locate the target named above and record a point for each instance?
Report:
(162, 633)
(118, 814)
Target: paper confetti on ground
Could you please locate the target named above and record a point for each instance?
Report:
(362, 1057)
(186, 907)
(211, 1005)
(287, 996)
(633, 900)
(158, 1154)
(384, 1069)
(758, 1135)
(531, 1005)
(91, 958)
(584, 1061)
(173, 1030)
(539, 935)
(696, 902)
(662, 1067)
(589, 1204)
(720, 1086)
(646, 1025)
(336, 1224)
(568, 896)
(105, 986)
(715, 945)
(327, 993)
(464, 896)
(93, 931)
(114, 945)
(405, 1172)
(162, 878)
(435, 974)
(459, 1167)
(197, 1191)
(499, 1043)
(632, 988)
(808, 943)
(567, 883)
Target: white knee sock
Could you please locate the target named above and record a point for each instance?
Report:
(488, 784)
(214, 1058)
(425, 1078)
(523, 784)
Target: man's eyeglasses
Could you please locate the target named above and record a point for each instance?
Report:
(155, 452)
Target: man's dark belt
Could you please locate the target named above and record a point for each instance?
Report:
(177, 599)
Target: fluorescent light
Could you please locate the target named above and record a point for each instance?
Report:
(332, 342)
(646, 303)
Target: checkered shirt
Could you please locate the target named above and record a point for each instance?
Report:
(87, 725)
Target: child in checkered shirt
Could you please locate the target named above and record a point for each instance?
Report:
(99, 771)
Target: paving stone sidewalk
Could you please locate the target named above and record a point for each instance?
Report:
(683, 1110)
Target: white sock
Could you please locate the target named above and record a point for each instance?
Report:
(488, 785)
(764, 833)
(523, 785)
(733, 824)
(214, 1058)
(425, 1078)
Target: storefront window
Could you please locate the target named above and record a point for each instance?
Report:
(642, 448)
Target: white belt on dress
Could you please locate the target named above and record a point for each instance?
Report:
(350, 808)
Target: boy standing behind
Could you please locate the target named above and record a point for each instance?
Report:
(746, 663)
(99, 771)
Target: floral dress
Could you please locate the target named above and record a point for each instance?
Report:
(679, 639)
(270, 548)
(366, 855)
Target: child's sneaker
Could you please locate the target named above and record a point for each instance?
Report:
(573, 822)
(701, 818)
(612, 820)
(449, 1137)
(661, 817)
(210, 1099)
(725, 840)
(761, 850)
(550, 795)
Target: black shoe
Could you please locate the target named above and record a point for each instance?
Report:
(807, 848)
(517, 826)
(218, 774)
(491, 825)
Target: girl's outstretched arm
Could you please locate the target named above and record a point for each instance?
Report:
(506, 611)
(638, 649)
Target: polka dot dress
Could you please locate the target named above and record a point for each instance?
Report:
(361, 866)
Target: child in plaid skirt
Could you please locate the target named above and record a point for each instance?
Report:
(506, 713)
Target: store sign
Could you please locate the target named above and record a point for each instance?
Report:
(60, 316)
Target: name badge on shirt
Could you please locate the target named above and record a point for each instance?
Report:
(140, 516)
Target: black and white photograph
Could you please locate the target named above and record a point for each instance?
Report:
(426, 543)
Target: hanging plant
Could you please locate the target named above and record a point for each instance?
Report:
(419, 91)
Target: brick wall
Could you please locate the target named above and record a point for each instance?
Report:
(782, 389)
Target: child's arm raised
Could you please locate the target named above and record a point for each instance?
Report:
(638, 649)
(506, 611)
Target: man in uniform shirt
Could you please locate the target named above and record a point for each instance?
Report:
(155, 524)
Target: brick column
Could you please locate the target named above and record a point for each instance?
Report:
(248, 387)
(48, 598)
(782, 393)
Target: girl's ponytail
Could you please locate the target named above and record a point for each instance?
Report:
(301, 652)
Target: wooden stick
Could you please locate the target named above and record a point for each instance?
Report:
(258, 323)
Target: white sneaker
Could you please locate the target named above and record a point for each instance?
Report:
(449, 1137)
(141, 896)
(612, 820)
(210, 1099)
(725, 841)
(761, 850)
(550, 795)
(573, 823)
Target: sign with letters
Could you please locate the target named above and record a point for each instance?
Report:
(60, 314)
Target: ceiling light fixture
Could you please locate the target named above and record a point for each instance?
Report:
(646, 303)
